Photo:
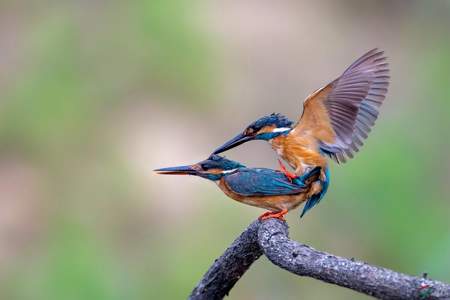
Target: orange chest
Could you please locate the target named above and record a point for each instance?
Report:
(272, 203)
(299, 151)
(227, 191)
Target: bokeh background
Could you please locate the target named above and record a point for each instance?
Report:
(96, 94)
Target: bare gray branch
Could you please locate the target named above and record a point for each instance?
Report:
(371, 280)
(230, 267)
(271, 238)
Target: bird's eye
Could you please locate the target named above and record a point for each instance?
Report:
(198, 167)
(249, 131)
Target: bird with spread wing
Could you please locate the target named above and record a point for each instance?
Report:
(334, 123)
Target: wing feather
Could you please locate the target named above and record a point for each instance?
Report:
(261, 182)
(341, 114)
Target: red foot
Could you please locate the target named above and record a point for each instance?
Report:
(270, 214)
(288, 174)
(267, 213)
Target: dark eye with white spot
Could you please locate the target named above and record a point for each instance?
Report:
(249, 131)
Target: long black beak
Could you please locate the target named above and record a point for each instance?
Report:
(234, 142)
(182, 170)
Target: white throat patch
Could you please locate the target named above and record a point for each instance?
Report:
(281, 129)
(229, 171)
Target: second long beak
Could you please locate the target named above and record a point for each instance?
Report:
(181, 170)
(234, 142)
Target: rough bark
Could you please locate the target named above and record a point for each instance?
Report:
(229, 268)
(271, 238)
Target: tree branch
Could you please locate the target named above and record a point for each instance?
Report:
(271, 238)
(371, 280)
(230, 267)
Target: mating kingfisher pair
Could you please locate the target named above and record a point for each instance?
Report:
(334, 122)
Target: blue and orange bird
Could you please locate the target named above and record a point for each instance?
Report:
(260, 187)
(335, 121)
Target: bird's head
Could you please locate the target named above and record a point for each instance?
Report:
(213, 168)
(265, 128)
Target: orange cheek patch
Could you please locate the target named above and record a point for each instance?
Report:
(214, 171)
(267, 129)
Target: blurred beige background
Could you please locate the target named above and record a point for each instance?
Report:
(97, 94)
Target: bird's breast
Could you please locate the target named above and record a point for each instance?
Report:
(273, 203)
(299, 151)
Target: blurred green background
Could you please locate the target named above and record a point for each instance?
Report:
(97, 94)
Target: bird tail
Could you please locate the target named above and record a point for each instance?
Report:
(315, 199)
(309, 177)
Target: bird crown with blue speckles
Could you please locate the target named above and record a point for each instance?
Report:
(219, 162)
(278, 120)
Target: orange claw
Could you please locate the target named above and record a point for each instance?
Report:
(288, 174)
(270, 214)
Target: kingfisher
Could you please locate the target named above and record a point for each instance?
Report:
(334, 123)
(260, 187)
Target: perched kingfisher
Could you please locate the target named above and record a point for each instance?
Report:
(260, 187)
(335, 119)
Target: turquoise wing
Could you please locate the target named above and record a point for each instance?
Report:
(261, 182)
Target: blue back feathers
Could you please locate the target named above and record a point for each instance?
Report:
(261, 182)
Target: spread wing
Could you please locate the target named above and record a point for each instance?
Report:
(261, 182)
(341, 114)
